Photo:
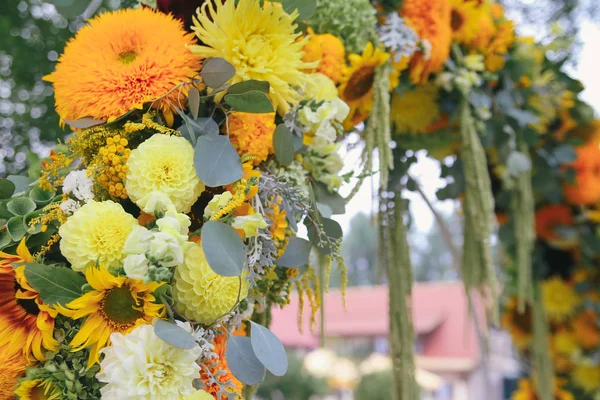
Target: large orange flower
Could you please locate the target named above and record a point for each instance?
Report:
(586, 190)
(550, 217)
(431, 19)
(121, 60)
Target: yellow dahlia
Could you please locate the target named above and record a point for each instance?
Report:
(587, 377)
(329, 51)
(431, 21)
(96, 233)
(121, 60)
(200, 294)
(252, 134)
(38, 389)
(560, 299)
(356, 88)
(12, 367)
(260, 42)
(415, 110)
(26, 323)
(164, 164)
(116, 304)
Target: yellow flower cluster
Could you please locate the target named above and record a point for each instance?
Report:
(252, 134)
(114, 156)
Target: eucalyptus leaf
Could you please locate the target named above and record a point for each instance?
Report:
(289, 213)
(253, 101)
(194, 102)
(565, 154)
(296, 254)
(85, 122)
(21, 206)
(242, 361)
(70, 8)
(200, 126)
(306, 8)
(246, 86)
(518, 163)
(283, 144)
(7, 188)
(56, 285)
(216, 72)
(325, 210)
(216, 161)
(522, 117)
(332, 199)
(268, 349)
(173, 334)
(16, 228)
(223, 248)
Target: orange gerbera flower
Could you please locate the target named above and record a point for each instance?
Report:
(220, 344)
(121, 60)
(431, 20)
(550, 217)
(26, 323)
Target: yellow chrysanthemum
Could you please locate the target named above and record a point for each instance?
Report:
(252, 134)
(356, 88)
(415, 110)
(260, 42)
(116, 304)
(164, 164)
(26, 323)
(200, 294)
(279, 222)
(560, 299)
(96, 233)
(120, 60)
(464, 20)
(329, 51)
(38, 389)
(587, 377)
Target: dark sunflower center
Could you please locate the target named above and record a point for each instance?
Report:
(37, 393)
(127, 57)
(456, 20)
(30, 306)
(118, 307)
(523, 320)
(360, 83)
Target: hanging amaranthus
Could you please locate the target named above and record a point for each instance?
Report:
(542, 361)
(478, 206)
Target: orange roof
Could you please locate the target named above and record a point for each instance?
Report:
(440, 317)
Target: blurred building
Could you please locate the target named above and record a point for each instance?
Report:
(449, 344)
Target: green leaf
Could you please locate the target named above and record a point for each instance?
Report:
(83, 123)
(223, 248)
(268, 349)
(332, 199)
(246, 86)
(200, 126)
(70, 8)
(216, 71)
(5, 239)
(21, 206)
(296, 254)
(16, 228)
(40, 196)
(331, 228)
(216, 161)
(253, 101)
(283, 144)
(242, 361)
(56, 285)
(522, 117)
(174, 334)
(4, 213)
(21, 183)
(306, 8)
(194, 102)
(565, 154)
(7, 188)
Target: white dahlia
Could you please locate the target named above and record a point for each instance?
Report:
(140, 365)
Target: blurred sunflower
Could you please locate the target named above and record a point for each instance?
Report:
(560, 298)
(12, 367)
(38, 389)
(587, 377)
(464, 20)
(27, 324)
(431, 20)
(356, 88)
(415, 110)
(261, 42)
(519, 325)
(121, 60)
(116, 304)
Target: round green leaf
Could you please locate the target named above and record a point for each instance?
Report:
(268, 349)
(306, 8)
(70, 8)
(246, 86)
(223, 248)
(21, 183)
(21, 206)
(242, 361)
(283, 144)
(40, 196)
(296, 254)
(174, 334)
(7, 188)
(5, 239)
(16, 228)
(216, 161)
(253, 101)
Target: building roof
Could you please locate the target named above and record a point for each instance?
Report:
(440, 316)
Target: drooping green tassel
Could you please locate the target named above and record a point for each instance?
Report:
(541, 359)
(478, 205)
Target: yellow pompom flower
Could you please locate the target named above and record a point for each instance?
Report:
(329, 51)
(164, 164)
(252, 134)
(200, 294)
(34, 389)
(260, 42)
(560, 299)
(96, 233)
(587, 377)
(415, 110)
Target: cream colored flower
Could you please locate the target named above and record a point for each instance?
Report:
(155, 202)
(140, 365)
(220, 200)
(164, 164)
(96, 233)
(200, 294)
(136, 266)
(250, 224)
(199, 395)
(319, 88)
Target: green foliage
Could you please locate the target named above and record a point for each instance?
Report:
(56, 285)
(377, 385)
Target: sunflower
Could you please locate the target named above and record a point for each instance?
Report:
(587, 377)
(121, 60)
(560, 299)
(279, 222)
(27, 325)
(12, 367)
(586, 329)
(38, 389)
(356, 87)
(220, 365)
(464, 20)
(414, 111)
(548, 218)
(519, 325)
(260, 42)
(116, 304)
(431, 20)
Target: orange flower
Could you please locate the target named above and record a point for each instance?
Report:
(12, 368)
(585, 329)
(252, 134)
(431, 20)
(329, 50)
(549, 217)
(586, 190)
(121, 60)
(220, 344)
